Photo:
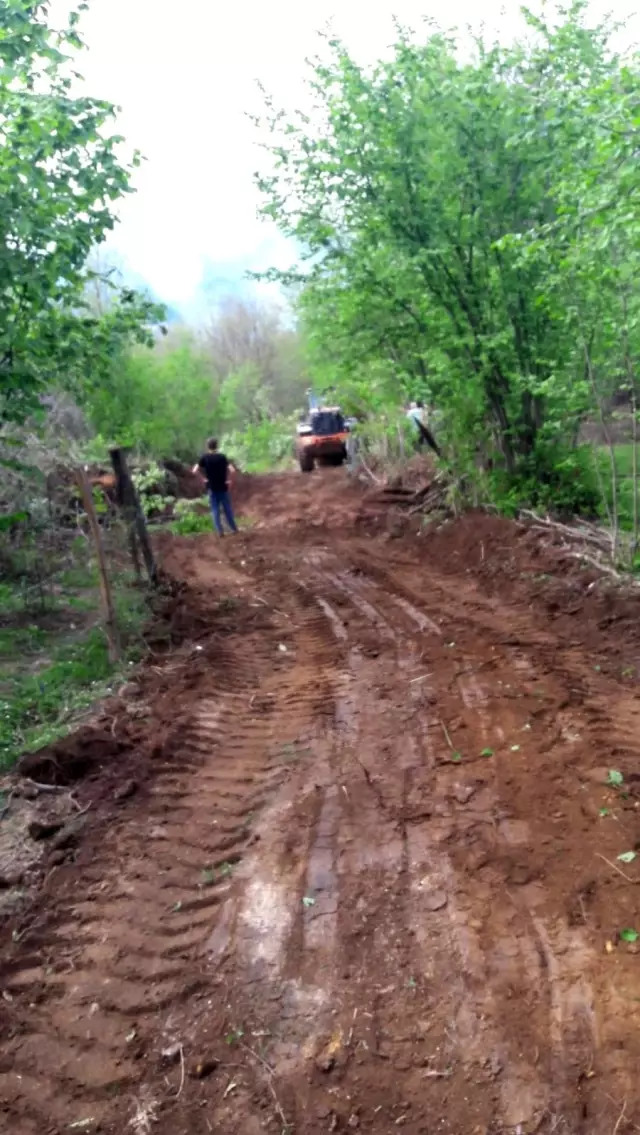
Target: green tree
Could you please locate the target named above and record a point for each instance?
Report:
(159, 401)
(446, 211)
(60, 174)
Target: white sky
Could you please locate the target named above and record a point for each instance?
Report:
(185, 74)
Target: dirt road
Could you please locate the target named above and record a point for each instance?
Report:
(363, 873)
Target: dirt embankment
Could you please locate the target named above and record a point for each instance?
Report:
(350, 853)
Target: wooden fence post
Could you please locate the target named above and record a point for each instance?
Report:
(108, 610)
(127, 499)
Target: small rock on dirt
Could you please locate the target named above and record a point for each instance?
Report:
(463, 792)
(436, 900)
(27, 791)
(494, 1065)
(402, 1063)
(200, 1069)
(589, 809)
(171, 1054)
(9, 880)
(325, 1063)
(125, 791)
(69, 835)
(45, 828)
(522, 873)
(129, 690)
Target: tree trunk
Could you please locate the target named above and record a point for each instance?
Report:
(127, 499)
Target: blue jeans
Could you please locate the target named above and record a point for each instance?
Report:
(222, 501)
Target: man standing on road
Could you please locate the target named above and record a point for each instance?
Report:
(218, 472)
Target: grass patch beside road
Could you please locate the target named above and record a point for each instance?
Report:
(54, 664)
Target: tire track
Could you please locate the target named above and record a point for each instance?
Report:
(120, 961)
(533, 951)
(432, 918)
(338, 888)
(439, 906)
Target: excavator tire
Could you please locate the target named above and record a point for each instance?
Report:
(306, 463)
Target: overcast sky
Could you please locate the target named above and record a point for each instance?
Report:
(185, 76)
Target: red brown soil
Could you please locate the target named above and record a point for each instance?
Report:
(351, 857)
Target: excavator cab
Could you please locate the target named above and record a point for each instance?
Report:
(322, 438)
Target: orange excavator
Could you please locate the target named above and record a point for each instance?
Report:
(322, 438)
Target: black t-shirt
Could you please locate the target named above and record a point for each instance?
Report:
(215, 468)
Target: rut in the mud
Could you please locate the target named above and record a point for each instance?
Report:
(364, 889)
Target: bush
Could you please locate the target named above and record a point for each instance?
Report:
(156, 488)
(551, 479)
(190, 519)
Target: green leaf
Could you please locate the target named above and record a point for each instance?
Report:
(629, 935)
(627, 856)
(308, 901)
(8, 520)
(615, 778)
(486, 753)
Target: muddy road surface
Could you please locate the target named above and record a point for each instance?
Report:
(351, 853)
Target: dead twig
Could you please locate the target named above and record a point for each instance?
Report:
(376, 480)
(447, 737)
(586, 558)
(616, 868)
(600, 540)
(581, 531)
(259, 1058)
(45, 787)
(271, 1077)
(620, 1118)
(179, 1091)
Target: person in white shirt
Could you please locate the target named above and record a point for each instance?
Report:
(425, 437)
